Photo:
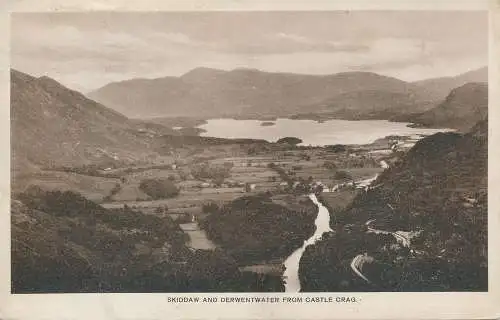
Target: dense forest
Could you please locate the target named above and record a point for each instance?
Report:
(62, 242)
(439, 192)
(253, 228)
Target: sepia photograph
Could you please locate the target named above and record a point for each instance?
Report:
(249, 151)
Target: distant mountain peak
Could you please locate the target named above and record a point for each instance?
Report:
(202, 72)
(244, 69)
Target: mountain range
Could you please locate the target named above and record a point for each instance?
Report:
(251, 93)
(53, 125)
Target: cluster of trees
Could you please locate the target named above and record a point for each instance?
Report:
(333, 272)
(253, 228)
(70, 244)
(159, 188)
(289, 140)
(281, 172)
(216, 173)
(337, 148)
(339, 174)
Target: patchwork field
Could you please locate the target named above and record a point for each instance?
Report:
(218, 174)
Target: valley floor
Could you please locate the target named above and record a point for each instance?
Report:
(274, 176)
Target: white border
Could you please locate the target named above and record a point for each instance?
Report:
(155, 306)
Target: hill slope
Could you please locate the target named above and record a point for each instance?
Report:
(243, 92)
(438, 195)
(371, 104)
(462, 108)
(52, 125)
(442, 86)
(62, 242)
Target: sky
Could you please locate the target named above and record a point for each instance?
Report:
(85, 51)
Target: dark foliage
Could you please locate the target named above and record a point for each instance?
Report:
(217, 173)
(438, 189)
(70, 244)
(337, 148)
(289, 140)
(253, 228)
(159, 188)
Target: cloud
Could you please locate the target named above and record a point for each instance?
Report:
(292, 37)
(283, 43)
(87, 50)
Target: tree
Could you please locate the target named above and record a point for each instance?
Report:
(159, 188)
(209, 207)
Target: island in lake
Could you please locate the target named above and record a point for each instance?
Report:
(267, 123)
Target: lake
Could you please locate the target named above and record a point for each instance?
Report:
(312, 132)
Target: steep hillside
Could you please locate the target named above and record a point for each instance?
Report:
(462, 108)
(437, 197)
(62, 242)
(52, 125)
(440, 87)
(242, 92)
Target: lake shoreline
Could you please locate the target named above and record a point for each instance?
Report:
(186, 125)
(313, 133)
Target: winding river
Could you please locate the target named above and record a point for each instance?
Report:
(322, 222)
